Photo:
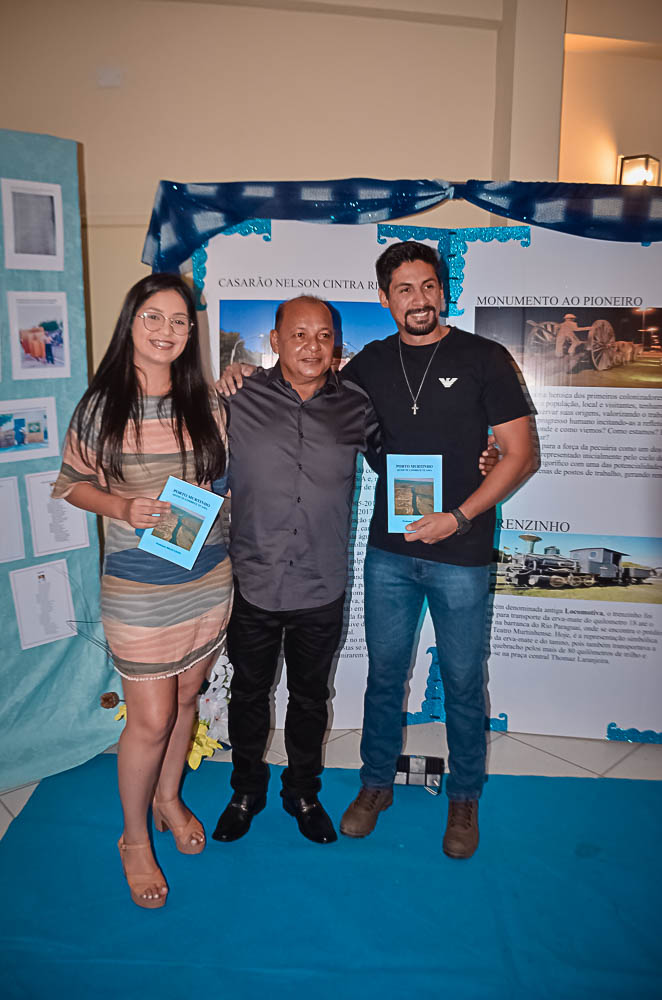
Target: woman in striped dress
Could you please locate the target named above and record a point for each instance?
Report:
(148, 414)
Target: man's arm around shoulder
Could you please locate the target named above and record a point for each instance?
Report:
(232, 377)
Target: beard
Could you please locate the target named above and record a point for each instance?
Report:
(423, 328)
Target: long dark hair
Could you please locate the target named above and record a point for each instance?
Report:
(114, 398)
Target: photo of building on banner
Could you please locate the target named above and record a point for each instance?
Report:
(39, 335)
(245, 325)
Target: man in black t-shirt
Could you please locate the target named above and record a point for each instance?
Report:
(435, 389)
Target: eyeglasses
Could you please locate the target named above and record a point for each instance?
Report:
(180, 324)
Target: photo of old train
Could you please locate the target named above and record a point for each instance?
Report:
(593, 571)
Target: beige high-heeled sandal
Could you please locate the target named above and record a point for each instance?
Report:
(183, 833)
(139, 883)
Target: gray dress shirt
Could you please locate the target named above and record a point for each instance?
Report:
(291, 476)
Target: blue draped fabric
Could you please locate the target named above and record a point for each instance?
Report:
(187, 215)
(623, 213)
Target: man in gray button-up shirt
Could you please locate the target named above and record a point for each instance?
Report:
(291, 479)
(294, 433)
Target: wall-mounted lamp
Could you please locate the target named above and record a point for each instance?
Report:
(642, 169)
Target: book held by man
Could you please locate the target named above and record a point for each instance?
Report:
(180, 534)
(413, 488)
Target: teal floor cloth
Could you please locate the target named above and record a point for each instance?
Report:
(560, 902)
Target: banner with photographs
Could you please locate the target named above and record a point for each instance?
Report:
(578, 604)
(577, 611)
(53, 663)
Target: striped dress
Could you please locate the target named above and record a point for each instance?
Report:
(159, 618)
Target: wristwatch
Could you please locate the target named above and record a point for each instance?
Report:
(463, 523)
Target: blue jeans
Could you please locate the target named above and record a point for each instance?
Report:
(395, 589)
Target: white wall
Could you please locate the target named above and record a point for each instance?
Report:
(611, 106)
(611, 87)
(636, 20)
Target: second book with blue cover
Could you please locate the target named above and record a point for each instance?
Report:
(180, 534)
(413, 488)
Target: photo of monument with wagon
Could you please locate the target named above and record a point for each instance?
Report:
(579, 346)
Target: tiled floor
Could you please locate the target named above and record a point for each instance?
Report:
(508, 753)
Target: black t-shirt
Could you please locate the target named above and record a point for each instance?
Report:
(472, 383)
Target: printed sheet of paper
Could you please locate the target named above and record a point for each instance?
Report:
(56, 525)
(33, 225)
(39, 335)
(11, 538)
(43, 604)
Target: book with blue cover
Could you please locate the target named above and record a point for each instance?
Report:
(413, 488)
(180, 534)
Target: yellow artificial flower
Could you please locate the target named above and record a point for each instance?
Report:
(202, 745)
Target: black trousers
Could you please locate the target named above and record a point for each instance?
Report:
(311, 638)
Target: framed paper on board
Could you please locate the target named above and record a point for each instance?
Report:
(56, 525)
(12, 546)
(33, 228)
(39, 334)
(43, 603)
(28, 429)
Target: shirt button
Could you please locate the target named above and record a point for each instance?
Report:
(294, 532)
(299, 466)
(298, 499)
(291, 563)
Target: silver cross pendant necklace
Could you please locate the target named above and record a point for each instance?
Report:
(415, 408)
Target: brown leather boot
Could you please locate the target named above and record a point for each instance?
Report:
(461, 837)
(362, 814)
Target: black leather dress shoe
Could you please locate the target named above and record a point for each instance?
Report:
(314, 822)
(236, 818)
